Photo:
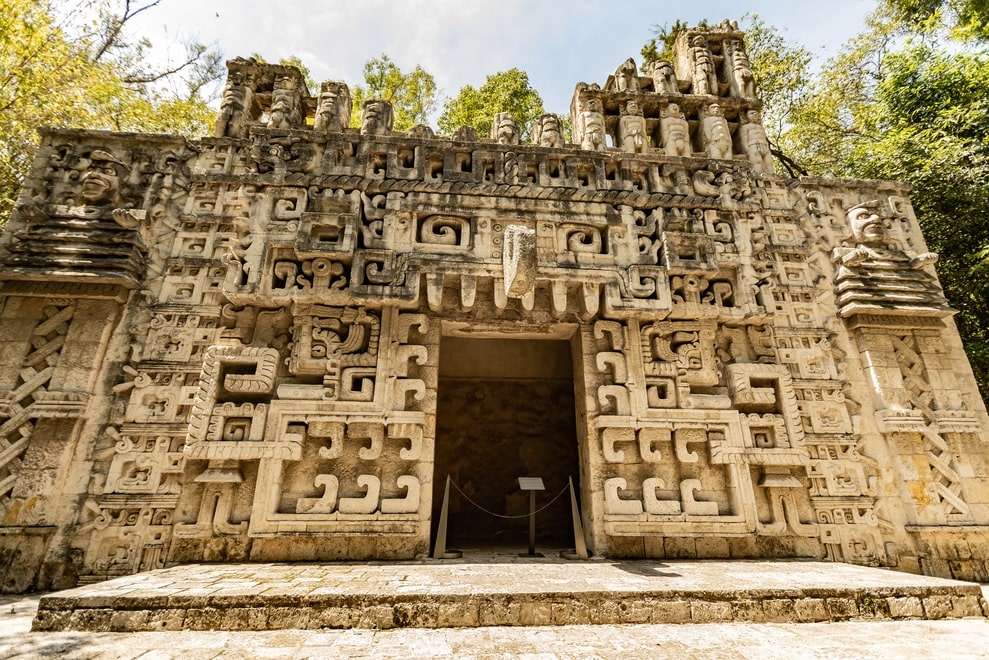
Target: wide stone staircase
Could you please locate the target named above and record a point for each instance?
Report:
(501, 589)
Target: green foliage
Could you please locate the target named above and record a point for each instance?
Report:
(413, 95)
(967, 19)
(660, 47)
(505, 91)
(839, 109)
(70, 64)
(932, 117)
(905, 100)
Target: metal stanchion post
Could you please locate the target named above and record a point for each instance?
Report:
(580, 546)
(440, 551)
(532, 523)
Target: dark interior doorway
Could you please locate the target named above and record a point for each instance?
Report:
(505, 410)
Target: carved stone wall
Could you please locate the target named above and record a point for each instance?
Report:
(228, 349)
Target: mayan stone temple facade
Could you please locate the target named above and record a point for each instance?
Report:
(278, 342)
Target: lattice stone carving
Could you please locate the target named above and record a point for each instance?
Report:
(945, 484)
(19, 406)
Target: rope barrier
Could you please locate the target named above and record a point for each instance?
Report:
(499, 515)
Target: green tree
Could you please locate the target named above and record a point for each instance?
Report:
(968, 19)
(839, 110)
(505, 91)
(932, 120)
(413, 95)
(906, 100)
(68, 64)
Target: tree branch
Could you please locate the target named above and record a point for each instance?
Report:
(790, 165)
(158, 75)
(116, 25)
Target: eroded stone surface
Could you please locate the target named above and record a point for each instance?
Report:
(876, 639)
(501, 590)
(229, 349)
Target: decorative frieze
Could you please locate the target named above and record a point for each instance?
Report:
(229, 349)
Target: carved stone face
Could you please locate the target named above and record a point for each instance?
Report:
(754, 116)
(715, 111)
(592, 105)
(375, 118)
(281, 103)
(867, 226)
(234, 93)
(550, 130)
(507, 131)
(328, 110)
(101, 180)
(673, 110)
(632, 108)
(661, 69)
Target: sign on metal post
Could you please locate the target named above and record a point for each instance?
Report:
(532, 484)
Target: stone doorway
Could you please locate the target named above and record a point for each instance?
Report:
(505, 409)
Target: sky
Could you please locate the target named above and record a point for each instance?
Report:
(461, 42)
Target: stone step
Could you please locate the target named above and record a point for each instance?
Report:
(501, 590)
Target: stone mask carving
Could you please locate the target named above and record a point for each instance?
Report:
(101, 180)
(333, 111)
(376, 118)
(504, 129)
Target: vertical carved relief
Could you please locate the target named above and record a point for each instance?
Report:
(23, 403)
(762, 370)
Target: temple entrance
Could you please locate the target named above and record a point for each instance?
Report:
(505, 410)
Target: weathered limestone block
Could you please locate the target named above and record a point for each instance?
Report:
(664, 79)
(504, 130)
(333, 107)
(715, 132)
(632, 129)
(546, 131)
(278, 342)
(675, 132)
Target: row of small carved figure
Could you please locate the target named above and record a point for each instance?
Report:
(285, 110)
(633, 134)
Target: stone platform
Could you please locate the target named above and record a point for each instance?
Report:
(501, 590)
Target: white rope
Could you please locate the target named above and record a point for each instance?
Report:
(499, 515)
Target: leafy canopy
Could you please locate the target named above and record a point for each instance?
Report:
(967, 19)
(505, 91)
(75, 64)
(413, 95)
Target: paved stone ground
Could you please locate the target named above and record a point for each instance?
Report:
(951, 638)
(958, 638)
(500, 590)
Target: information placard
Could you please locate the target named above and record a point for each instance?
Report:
(531, 483)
